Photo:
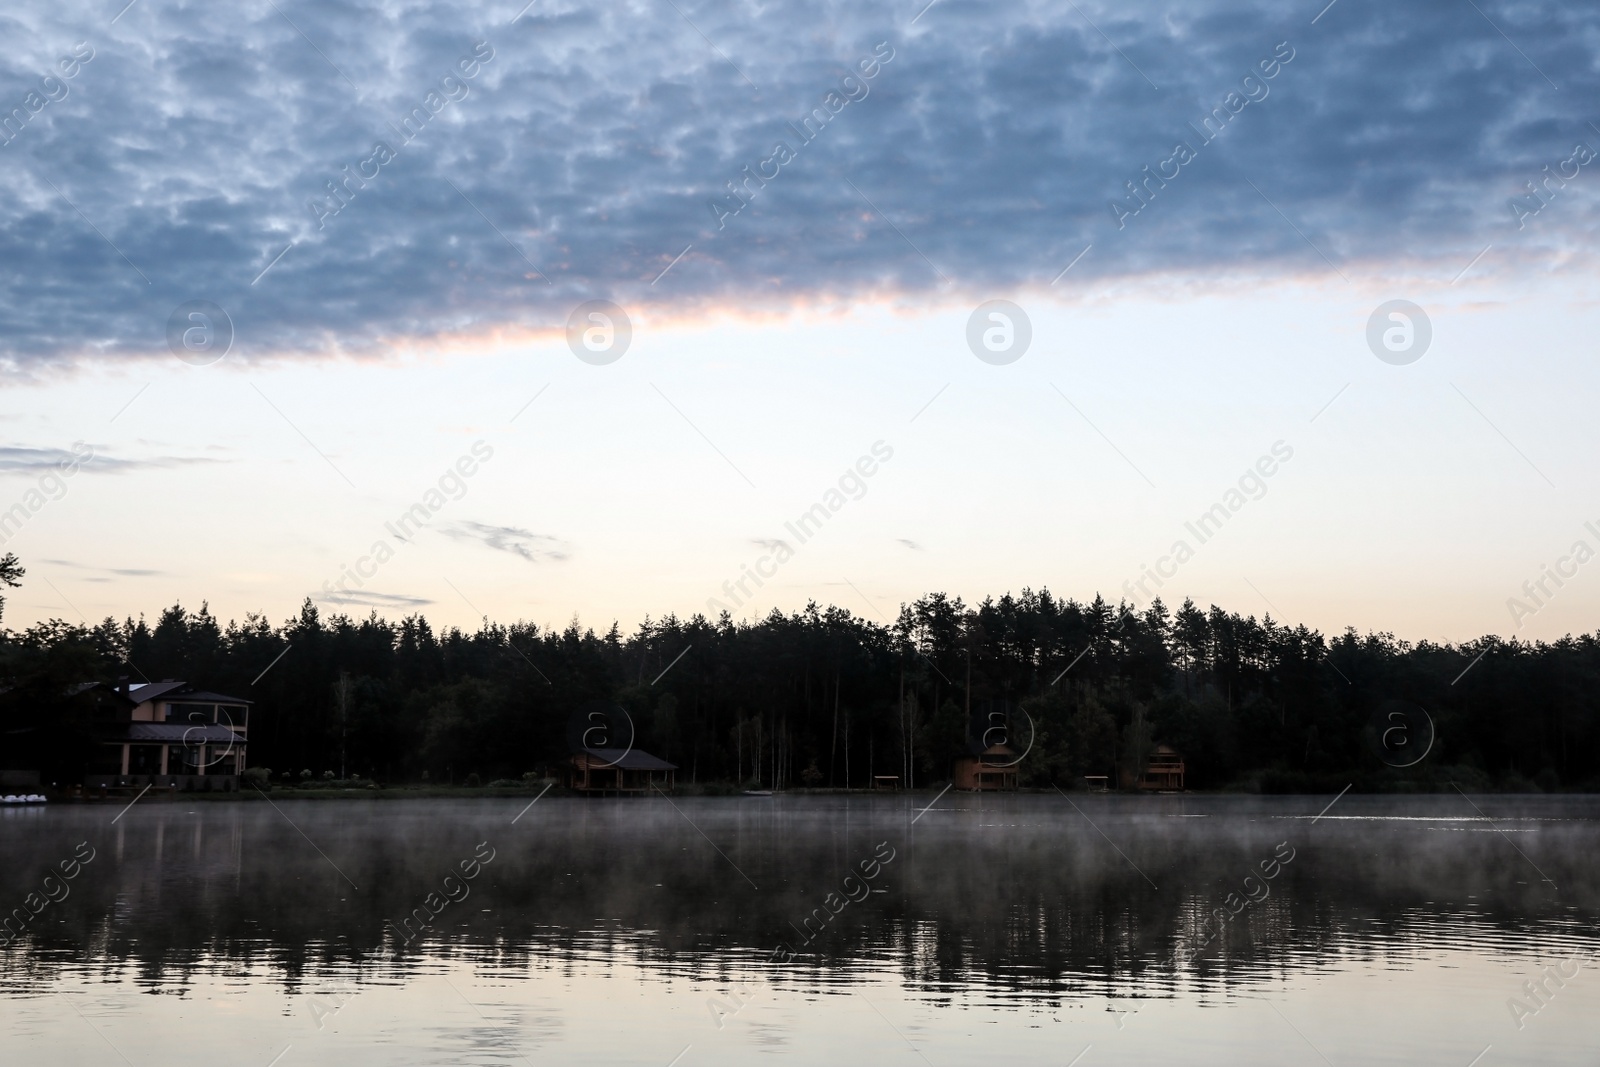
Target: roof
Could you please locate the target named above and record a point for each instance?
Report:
(150, 690)
(976, 748)
(630, 759)
(183, 691)
(178, 734)
(206, 696)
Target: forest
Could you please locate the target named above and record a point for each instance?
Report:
(825, 698)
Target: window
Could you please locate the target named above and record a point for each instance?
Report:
(192, 713)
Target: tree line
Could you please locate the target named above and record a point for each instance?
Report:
(823, 697)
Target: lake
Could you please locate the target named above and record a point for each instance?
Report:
(1045, 929)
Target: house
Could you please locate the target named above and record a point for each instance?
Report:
(618, 770)
(170, 734)
(1163, 771)
(987, 769)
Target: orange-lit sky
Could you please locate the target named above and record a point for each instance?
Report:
(1414, 502)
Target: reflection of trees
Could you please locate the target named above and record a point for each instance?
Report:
(1017, 897)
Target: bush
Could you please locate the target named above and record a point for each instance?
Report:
(327, 776)
(305, 775)
(258, 777)
(507, 783)
(472, 780)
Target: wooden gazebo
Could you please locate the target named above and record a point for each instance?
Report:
(993, 769)
(1163, 772)
(619, 770)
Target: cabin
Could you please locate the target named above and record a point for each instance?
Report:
(992, 769)
(1163, 771)
(169, 734)
(598, 771)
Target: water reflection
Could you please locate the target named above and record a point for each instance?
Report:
(715, 919)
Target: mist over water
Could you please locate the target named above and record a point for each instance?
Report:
(624, 931)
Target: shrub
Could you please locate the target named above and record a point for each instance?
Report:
(472, 780)
(258, 777)
(305, 775)
(327, 776)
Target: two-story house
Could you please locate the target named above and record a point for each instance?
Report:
(170, 734)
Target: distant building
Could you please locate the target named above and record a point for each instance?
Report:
(987, 769)
(618, 770)
(1163, 771)
(168, 734)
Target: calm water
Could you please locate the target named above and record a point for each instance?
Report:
(1392, 930)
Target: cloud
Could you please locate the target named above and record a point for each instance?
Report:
(771, 544)
(192, 157)
(24, 460)
(367, 598)
(533, 547)
(912, 545)
(124, 572)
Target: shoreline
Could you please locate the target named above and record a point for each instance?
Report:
(437, 792)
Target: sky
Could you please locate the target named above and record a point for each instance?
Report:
(607, 298)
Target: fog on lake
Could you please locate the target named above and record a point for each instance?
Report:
(820, 929)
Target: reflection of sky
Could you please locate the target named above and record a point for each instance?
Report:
(465, 1010)
(823, 317)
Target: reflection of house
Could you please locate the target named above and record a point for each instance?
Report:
(167, 734)
(618, 770)
(992, 768)
(1163, 770)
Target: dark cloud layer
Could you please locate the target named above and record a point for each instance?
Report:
(177, 163)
